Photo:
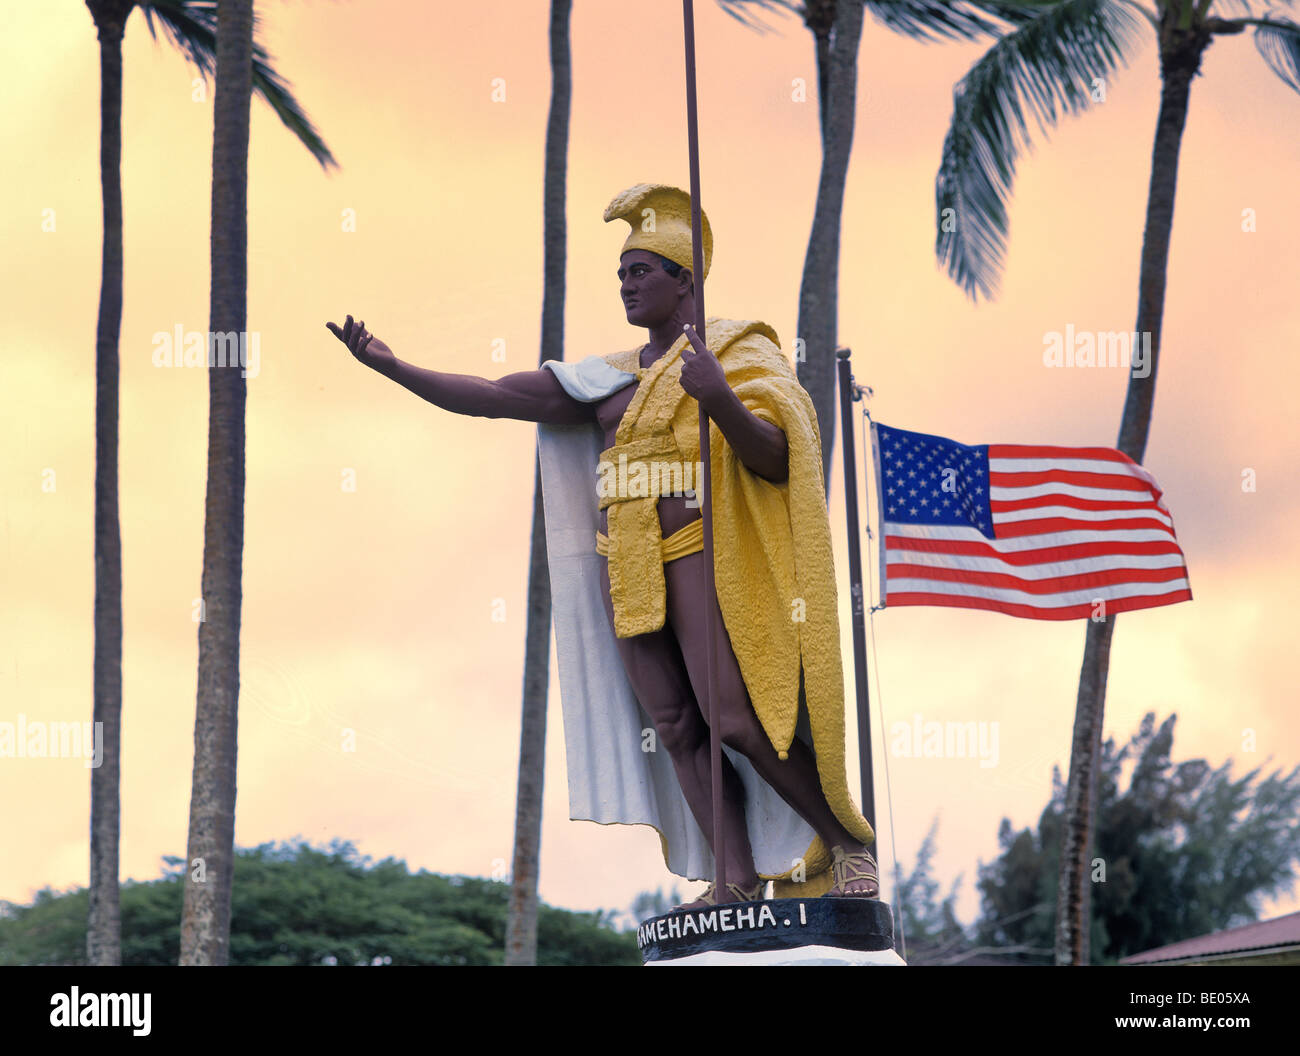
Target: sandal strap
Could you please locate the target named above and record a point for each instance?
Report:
(845, 868)
(754, 894)
(710, 896)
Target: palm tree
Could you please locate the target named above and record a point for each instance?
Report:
(521, 923)
(205, 919)
(1050, 61)
(836, 26)
(190, 25)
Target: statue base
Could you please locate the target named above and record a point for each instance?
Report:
(822, 931)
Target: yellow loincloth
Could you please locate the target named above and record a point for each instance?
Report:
(688, 539)
(773, 569)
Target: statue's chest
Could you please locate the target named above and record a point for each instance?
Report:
(609, 411)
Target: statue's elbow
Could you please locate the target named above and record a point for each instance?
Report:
(783, 471)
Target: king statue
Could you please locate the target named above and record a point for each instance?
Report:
(618, 443)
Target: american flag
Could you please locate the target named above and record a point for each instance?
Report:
(1047, 533)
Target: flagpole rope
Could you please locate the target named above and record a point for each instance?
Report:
(875, 670)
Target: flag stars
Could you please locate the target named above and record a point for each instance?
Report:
(937, 477)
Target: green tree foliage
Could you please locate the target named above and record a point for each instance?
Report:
(930, 932)
(654, 903)
(1182, 849)
(295, 904)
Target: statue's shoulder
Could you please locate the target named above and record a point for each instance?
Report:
(626, 361)
(750, 340)
(752, 333)
(592, 378)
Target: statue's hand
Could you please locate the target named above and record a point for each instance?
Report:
(367, 348)
(702, 375)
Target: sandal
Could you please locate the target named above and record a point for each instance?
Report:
(709, 898)
(845, 869)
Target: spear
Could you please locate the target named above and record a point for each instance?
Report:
(710, 594)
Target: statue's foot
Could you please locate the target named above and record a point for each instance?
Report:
(854, 874)
(735, 893)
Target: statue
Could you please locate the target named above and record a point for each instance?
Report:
(633, 546)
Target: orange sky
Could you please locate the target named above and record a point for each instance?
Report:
(372, 610)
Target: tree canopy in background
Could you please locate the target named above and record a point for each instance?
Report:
(1182, 850)
(295, 904)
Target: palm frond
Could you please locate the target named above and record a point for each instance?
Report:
(191, 25)
(1045, 66)
(923, 20)
(1278, 41)
(1016, 12)
(932, 20)
(739, 10)
(1242, 6)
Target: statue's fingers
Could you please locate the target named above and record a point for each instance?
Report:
(693, 337)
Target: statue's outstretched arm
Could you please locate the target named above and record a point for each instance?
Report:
(530, 396)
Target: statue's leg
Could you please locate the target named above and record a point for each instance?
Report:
(795, 779)
(660, 681)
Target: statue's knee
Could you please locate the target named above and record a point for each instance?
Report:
(741, 732)
(682, 731)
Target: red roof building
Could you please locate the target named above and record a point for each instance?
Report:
(1275, 941)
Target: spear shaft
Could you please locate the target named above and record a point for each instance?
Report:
(710, 593)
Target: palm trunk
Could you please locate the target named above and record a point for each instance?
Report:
(818, 292)
(1180, 58)
(521, 923)
(819, 17)
(205, 923)
(104, 923)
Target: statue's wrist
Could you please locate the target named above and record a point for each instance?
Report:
(388, 367)
(722, 407)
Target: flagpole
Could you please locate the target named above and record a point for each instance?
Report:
(855, 586)
(710, 594)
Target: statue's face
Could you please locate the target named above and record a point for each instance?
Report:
(650, 295)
